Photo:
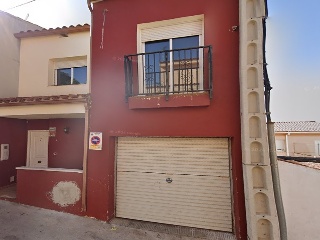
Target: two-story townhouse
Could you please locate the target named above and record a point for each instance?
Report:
(44, 126)
(177, 119)
(178, 98)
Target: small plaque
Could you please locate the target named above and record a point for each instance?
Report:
(52, 131)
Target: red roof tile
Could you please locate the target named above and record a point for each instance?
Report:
(44, 99)
(54, 31)
(297, 126)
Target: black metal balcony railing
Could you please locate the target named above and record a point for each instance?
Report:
(169, 72)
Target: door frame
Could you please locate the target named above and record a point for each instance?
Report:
(29, 144)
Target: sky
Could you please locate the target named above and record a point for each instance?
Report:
(293, 56)
(293, 48)
(49, 13)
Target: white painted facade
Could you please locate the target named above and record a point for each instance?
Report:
(301, 196)
(10, 51)
(44, 111)
(298, 144)
(37, 55)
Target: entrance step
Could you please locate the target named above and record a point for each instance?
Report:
(172, 229)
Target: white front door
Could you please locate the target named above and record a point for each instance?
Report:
(38, 141)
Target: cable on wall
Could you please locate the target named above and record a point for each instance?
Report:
(22, 4)
(102, 30)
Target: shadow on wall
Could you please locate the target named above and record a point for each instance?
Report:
(12, 132)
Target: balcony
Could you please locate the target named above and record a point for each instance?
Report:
(178, 71)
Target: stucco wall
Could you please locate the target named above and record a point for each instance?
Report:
(43, 111)
(9, 49)
(299, 144)
(35, 71)
(111, 114)
(12, 132)
(301, 198)
(65, 150)
(60, 191)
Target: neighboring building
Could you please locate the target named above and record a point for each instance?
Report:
(10, 52)
(44, 126)
(299, 176)
(298, 139)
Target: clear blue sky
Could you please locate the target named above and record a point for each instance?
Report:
(293, 48)
(293, 55)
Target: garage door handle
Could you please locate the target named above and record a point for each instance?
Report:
(169, 180)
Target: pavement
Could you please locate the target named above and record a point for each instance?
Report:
(21, 222)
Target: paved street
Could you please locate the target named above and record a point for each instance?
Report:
(21, 222)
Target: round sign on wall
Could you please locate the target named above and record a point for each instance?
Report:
(95, 141)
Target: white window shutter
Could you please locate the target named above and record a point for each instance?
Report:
(175, 28)
(70, 63)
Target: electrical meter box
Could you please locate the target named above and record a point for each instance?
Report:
(4, 152)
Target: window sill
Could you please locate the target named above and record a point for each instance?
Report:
(68, 85)
(175, 100)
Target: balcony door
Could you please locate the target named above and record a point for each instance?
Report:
(172, 65)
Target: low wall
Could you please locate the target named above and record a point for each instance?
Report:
(56, 189)
(301, 196)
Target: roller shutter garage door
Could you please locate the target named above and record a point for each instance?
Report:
(179, 181)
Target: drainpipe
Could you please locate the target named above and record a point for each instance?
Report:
(276, 180)
(85, 159)
(287, 144)
(271, 141)
(86, 128)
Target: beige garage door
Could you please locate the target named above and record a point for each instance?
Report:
(180, 181)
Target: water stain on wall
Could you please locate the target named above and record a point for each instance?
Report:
(65, 193)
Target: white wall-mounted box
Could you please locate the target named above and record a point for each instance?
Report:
(4, 152)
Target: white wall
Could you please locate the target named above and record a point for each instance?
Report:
(9, 52)
(44, 111)
(299, 144)
(301, 197)
(35, 71)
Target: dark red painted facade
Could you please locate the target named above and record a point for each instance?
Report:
(65, 150)
(112, 115)
(34, 188)
(12, 132)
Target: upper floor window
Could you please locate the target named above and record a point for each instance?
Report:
(68, 71)
(71, 76)
(176, 60)
(171, 58)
